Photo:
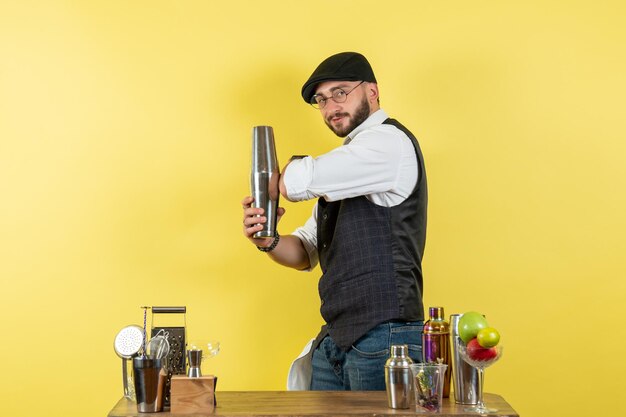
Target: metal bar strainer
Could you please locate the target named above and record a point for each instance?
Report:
(128, 343)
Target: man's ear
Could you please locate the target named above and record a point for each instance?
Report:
(372, 91)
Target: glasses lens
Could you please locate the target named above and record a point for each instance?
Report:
(318, 102)
(339, 96)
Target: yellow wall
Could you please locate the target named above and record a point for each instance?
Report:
(124, 152)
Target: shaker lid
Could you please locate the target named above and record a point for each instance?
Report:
(399, 357)
(399, 350)
(436, 313)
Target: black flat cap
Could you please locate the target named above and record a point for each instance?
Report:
(345, 66)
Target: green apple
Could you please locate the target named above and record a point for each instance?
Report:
(488, 337)
(470, 324)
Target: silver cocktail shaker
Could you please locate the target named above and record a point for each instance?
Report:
(398, 377)
(264, 177)
(464, 375)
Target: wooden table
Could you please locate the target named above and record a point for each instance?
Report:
(313, 403)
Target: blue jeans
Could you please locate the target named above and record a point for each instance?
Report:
(362, 367)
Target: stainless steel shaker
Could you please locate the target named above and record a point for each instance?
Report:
(264, 177)
(398, 377)
(464, 375)
(150, 381)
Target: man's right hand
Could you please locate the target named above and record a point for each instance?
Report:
(289, 252)
(253, 220)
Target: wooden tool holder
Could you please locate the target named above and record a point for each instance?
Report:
(193, 395)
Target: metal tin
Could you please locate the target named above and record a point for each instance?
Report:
(464, 375)
(264, 177)
(149, 384)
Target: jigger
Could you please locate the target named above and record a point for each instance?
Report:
(194, 357)
(264, 177)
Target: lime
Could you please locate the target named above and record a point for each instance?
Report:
(488, 337)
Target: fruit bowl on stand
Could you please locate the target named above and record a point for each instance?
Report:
(480, 358)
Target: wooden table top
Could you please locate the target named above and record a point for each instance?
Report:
(313, 403)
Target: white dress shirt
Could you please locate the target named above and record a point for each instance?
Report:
(376, 160)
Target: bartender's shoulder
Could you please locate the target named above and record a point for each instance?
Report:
(380, 133)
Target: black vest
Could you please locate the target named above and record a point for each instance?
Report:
(371, 260)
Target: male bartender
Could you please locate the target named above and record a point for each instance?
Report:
(367, 231)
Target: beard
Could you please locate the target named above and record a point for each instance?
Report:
(360, 115)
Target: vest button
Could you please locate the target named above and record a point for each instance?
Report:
(325, 216)
(324, 245)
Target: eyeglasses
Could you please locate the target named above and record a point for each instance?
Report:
(318, 101)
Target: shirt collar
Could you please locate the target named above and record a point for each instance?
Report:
(375, 119)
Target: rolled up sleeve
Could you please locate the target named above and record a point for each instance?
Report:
(369, 164)
(297, 178)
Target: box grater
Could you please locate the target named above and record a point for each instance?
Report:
(177, 340)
